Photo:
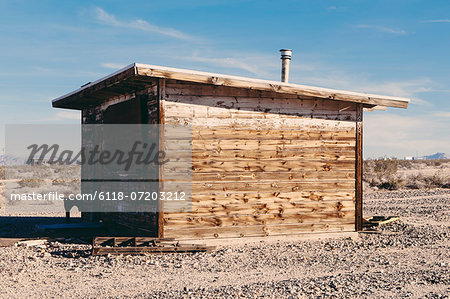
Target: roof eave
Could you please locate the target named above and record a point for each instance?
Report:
(64, 101)
(136, 69)
(274, 86)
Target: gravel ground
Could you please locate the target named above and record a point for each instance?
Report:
(408, 258)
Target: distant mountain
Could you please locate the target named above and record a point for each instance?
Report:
(11, 160)
(436, 156)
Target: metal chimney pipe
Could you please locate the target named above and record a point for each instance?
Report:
(286, 55)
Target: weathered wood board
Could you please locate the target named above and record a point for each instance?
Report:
(262, 163)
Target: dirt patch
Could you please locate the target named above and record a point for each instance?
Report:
(408, 259)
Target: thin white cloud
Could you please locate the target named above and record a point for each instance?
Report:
(322, 75)
(60, 116)
(341, 80)
(332, 8)
(382, 29)
(73, 115)
(404, 135)
(437, 21)
(442, 114)
(263, 66)
(138, 24)
(408, 89)
(111, 65)
(325, 76)
(227, 62)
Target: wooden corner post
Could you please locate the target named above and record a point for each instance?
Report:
(160, 106)
(359, 169)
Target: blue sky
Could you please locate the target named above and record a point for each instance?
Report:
(399, 48)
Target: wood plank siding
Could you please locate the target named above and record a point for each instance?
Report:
(263, 163)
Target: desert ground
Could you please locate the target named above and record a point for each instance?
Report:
(407, 258)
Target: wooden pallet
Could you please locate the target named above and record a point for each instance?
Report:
(138, 245)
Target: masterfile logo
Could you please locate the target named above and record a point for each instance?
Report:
(101, 168)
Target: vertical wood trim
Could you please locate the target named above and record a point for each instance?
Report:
(359, 169)
(161, 95)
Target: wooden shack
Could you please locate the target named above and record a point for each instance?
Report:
(268, 158)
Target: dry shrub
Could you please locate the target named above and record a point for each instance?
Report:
(420, 181)
(392, 183)
(65, 182)
(437, 162)
(386, 167)
(39, 171)
(416, 164)
(415, 181)
(30, 183)
(447, 184)
(435, 181)
(405, 164)
(2, 173)
(382, 173)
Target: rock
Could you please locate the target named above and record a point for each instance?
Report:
(29, 243)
